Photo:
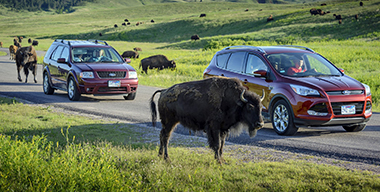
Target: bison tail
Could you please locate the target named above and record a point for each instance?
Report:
(153, 108)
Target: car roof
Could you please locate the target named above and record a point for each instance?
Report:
(85, 43)
(269, 49)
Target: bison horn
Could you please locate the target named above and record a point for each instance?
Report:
(262, 97)
(242, 97)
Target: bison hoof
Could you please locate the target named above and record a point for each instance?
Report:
(19, 79)
(35, 81)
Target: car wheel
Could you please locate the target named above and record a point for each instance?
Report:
(355, 128)
(282, 119)
(72, 90)
(130, 96)
(48, 90)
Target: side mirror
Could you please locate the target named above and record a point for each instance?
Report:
(127, 60)
(61, 60)
(260, 73)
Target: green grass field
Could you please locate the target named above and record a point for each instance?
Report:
(43, 150)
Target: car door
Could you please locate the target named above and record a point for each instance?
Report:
(253, 82)
(53, 66)
(64, 68)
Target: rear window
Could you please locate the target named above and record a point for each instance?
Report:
(221, 60)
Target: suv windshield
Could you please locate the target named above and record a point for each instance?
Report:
(302, 65)
(95, 55)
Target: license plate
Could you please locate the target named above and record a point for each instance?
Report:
(114, 83)
(348, 109)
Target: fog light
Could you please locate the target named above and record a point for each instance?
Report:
(311, 112)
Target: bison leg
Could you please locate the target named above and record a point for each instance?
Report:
(166, 131)
(26, 71)
(19, 67)
(34, 70)
(223, 136)
(214, 141)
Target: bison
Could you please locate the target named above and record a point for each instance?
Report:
(35, 43)
(202, 15)
(217, 106)
(1, 44)
(137, 49)
(26, 57)
(12, 52)
(195, 37)
(156, 61)
(270, 18)
(130, 54)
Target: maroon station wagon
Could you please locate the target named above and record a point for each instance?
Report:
(87, 67)
(301, 87)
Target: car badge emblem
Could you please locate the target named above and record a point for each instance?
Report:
(112, 74)
(346, 92)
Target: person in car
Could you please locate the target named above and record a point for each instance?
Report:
(297, 68)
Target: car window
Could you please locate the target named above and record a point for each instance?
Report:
(65, 54)
(235, 63)
(95, 55)
(254, 63)
(221, 60)
(57, 53)
(312, 64)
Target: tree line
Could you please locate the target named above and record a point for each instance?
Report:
(36, 5)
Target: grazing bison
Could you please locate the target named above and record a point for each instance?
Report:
(215, 105)
(337, 17)
(152, 21)
(195, 37)
(1, 44)
(137, 49)
(29, 40)
(115, 25)
(361, 3)
(202, 15)
(270, 18)
(156, 61)
(130, 54)
(35, 43)
(26, 57)
(12, 52)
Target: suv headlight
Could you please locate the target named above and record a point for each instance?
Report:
(367, 89)
(304, 91)
(88, 75)
(132, 74)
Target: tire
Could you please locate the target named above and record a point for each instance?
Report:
(72, 90)
(282, 119)
(130, 96)
(48, 90)
(355, 128)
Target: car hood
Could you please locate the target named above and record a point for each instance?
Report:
(333, 83)
(103, 67)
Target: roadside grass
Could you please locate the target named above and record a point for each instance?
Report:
(43, 150)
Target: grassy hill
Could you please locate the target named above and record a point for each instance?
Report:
(353, 45)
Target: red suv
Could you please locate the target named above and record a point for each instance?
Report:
(87, 67)
(301, 87)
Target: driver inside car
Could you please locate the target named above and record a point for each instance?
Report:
(298, 66)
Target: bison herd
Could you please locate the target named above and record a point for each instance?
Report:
(314, 11)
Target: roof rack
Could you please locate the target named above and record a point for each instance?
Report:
(245, 46)
(97, 41)
(297, 46)
(63, 41)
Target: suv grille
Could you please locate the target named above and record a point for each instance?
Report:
(337, 107)
(111, 74)
(346, 92)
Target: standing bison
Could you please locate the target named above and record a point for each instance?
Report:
(26, 57)
(156, 61)
(215, 105)
(130, 54)
(195, 37)
(12, 52)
